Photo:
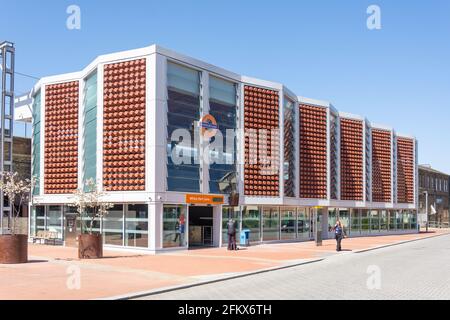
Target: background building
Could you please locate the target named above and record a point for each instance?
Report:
(115, 121)
(436, 184)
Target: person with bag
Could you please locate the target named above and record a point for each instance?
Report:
(339, 234)
(231, 226)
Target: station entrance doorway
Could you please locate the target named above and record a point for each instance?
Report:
(201, 227)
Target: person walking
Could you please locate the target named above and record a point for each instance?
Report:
(338, 234)
(231, 226)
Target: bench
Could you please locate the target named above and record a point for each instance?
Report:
(45, 237)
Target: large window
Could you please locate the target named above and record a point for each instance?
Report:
(413, 220)
(344, 217)
(113, 226)
(36, 157)
(37, 220)
(222, 106)
(332, 218)
(55, 220)
(355, 220)
(183, 88)
(136, 222)
(406, 222)
(174, 226)
(90, 129)
(392, 220)
(303, 223)
(271, 223)
(288, 224)
(374, 221)
(251, 220)
(383, 220)
(365, 221)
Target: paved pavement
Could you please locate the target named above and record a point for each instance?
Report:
(55, 272)
(414, 270)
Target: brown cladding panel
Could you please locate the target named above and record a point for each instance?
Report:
(352, 165)
(261, 112)
(124, 126)
(313, 152)
(405, 170)
(381, 166)
(61, 138)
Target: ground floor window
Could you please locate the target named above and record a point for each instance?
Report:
(174, 226)
(288, 224)
(227, 213)
(355, 220)
(55, 220)
(365, 221)
(113, 226)
(136, 226)
(251, 221)
(271, 223)
(374, 221)
(392, 220)
(383, 220)
(124, 225)
(303, 223)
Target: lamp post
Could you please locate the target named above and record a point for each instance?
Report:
(426, 209)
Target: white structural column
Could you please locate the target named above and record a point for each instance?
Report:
(99, 159)
(156, 131)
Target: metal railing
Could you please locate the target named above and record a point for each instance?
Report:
(438, 225)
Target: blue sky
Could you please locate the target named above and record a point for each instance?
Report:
(399, 75)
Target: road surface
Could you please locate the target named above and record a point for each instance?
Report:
(415, 270)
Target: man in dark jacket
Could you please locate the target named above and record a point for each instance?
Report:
(231, 225)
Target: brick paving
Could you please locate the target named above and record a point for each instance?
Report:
(52, 268)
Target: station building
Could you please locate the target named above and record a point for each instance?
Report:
(115, 122)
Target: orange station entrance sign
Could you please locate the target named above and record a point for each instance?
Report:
(204, 199)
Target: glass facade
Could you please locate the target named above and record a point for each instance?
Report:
(355, 220)
(90, 129)
(384, 217)
(365, 221)
(288, 224)
(183, 91)
(54, 219)
(136, 226)
(222, 106)
(303, 224)
(271, 223)
(36, 156)
(251, 220)
(332, 218)
(113, 226)
(374, 221)
(174, 226)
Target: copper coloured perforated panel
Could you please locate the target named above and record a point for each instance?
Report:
(313, 152)
(405, 170)
(261, 112)
(381, 165)
(124, 126)
(352, 173)
(61, 138)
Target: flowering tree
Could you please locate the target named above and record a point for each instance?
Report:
(18, 192)
(89, 203)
